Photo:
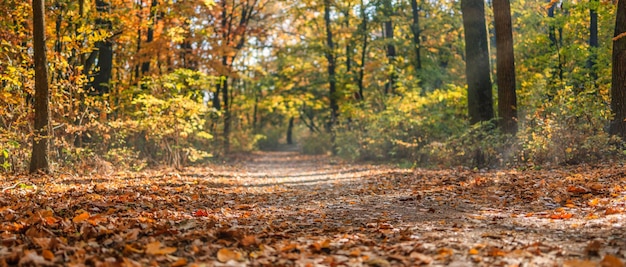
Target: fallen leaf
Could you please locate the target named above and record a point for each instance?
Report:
(611, 261)
(155, 248)
(81, 217)
(225, 254)
(47, 254)
(179, 263)
(579, 263)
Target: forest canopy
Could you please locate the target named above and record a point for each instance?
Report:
(429, 83)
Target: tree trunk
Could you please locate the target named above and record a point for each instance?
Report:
(145, 66)
(290, 132)
(593, 39)
(618, 85)
(391, 48)
(415, 28)
(507, 98)
(556, 43)
(477, 70)
(226, 110)
(330, 56)
(39, 157)
(105, 53)
(365, 36)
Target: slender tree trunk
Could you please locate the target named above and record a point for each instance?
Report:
(556, 43)
(618, 84)
(415, 28)
(330, 56)
(39, 157)
(105, 52)
(145, 66)
(226, 110)
(593, 39)
(365, 35)
(138, 48)
(290, 132)
(507, 98)
(391, 48)
(479, 95)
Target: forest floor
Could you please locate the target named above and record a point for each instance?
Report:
(287, 209)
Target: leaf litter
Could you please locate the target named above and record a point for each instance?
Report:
(286, 209)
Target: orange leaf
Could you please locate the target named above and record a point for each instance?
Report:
(473, 251)
(47, 254)
(248, 240)
(611, 261)
(579, 263)
(225, 255)
(155, 248)
(576, 189)
(610, 211)
(81, 217)
(179, 263)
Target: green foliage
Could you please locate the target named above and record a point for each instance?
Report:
(405, 127)
(316, 144)
(567, 127)
(171, 120)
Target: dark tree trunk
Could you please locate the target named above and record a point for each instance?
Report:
(556, 43)
(39, 157)
(105, 66)
(477, 70)
(391, 48)
(226, 110)
(330, 56)
(145, 66)
(415, 28)
(138, 48)
(618, 85)
(105, 53)
(507, 98)
(593, 39)
(290, 132)
(365, 35)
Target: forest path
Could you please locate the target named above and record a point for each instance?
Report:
(287, 209)
(380, 215)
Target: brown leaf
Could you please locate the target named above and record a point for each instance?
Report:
(593, 248)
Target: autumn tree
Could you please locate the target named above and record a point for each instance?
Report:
(479, 96)
(39, 159)
(618, 83)
(507, 97)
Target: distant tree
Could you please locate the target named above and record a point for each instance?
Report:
(415, 28)
(39, 157)
(618, 85)
(593, 38)
(505, 63)
(330, 57)
(364, 43)
(104, 51)
(477, 70)
(391, 48)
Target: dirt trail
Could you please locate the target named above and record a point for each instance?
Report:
(287, 209)
(377, 215)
